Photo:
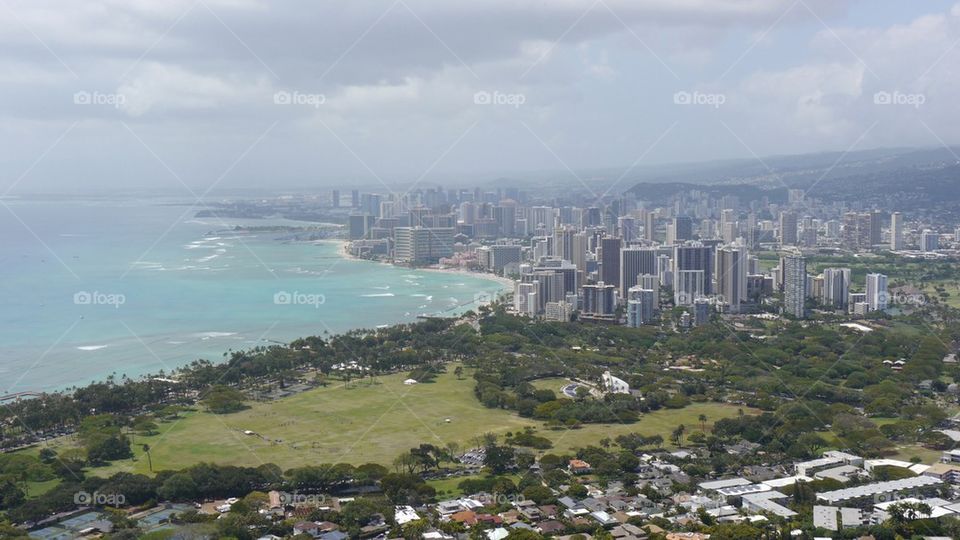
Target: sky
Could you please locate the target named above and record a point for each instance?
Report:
(199, 96)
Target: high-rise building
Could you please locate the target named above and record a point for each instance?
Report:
(688, 285)
(599, 300)
(563, 242)
(335, 198)
(876, 220)
(360, 225)
(731, 276)
(680, 230)
(861, 231)
(929, 241)
(610, 260)
(876, 292)
(506, 217)
(649, 225)
(788, 228)
(695, 256)
(640, 307)
(836, 288)
(355, 198)
(581, 243)
(503, 256)
(896, 231)
(652, 282)
(418, 245)
(665, 270)
(633, 262)
(524, 298)
(627, 227)
(794, 286)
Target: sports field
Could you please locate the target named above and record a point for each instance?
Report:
(367, 422)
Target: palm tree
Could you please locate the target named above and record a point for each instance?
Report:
(703, 422)
(677, 435)
(146, 450)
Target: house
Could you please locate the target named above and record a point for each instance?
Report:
(306, 527)
(466, 517)
(578, 466)
(497, 534)
(550, 527)
(405, 514)
(628, 532)
(603, 518)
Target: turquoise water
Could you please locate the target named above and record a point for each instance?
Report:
(94, 288)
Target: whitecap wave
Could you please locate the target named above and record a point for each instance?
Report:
(91, 347)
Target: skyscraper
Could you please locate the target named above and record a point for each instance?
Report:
(732, 276)
(695, 256)
(640, 306)
(896, 231)
(876, 292)
(633, 262)
(422, 244)
(788, 228)
(610, 260)
(794, 286)
(836, 288)
(929, 241)
(680, 229)
(599, 300)
(687, 287)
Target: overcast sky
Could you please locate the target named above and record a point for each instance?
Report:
(134, 94)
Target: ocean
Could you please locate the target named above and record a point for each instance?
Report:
(94, 288)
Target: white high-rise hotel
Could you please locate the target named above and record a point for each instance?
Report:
(876, 292)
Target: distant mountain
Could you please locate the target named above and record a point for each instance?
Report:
(904, 176)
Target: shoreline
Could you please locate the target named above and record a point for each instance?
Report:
(506, 284)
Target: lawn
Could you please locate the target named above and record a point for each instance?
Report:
(369, 422)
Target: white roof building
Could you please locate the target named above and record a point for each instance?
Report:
(405, 514)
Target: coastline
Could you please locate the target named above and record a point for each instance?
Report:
(506, 284)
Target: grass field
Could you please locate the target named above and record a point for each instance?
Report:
(368, 422)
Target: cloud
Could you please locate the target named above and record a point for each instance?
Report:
(398, 78)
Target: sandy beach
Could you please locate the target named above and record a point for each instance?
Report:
(506, 284)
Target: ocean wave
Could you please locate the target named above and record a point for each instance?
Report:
(211, 335)
(377, 295)
(91, 347)
(304, 271)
